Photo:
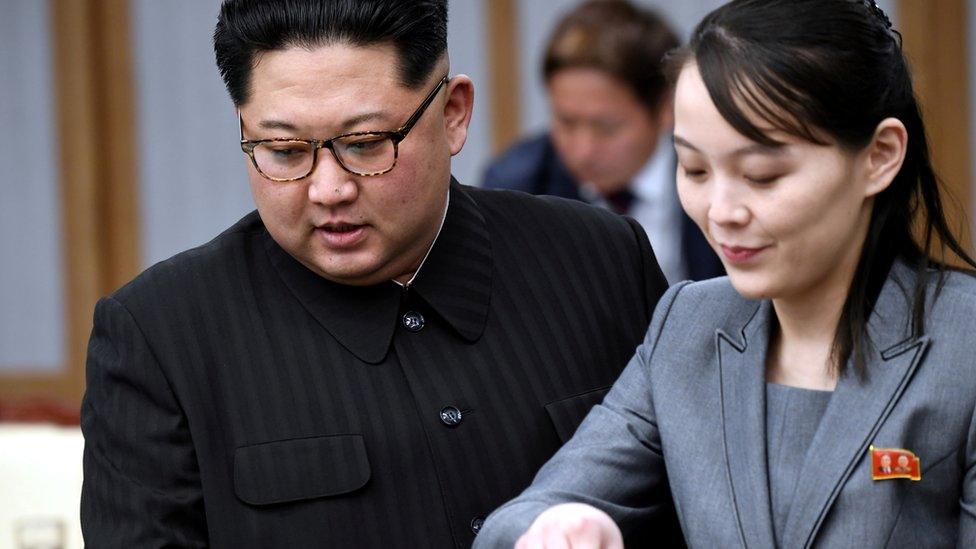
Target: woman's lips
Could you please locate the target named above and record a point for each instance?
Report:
(738, 255)
(342, 236)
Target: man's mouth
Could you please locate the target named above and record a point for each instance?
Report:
(341, 235)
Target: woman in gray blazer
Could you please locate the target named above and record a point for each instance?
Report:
(824, 393)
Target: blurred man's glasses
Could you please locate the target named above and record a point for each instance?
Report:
(359, 153)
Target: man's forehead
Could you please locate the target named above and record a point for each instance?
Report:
(304, 123)
(322, 69)
(337, 86)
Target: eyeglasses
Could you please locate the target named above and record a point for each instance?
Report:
(284, 159)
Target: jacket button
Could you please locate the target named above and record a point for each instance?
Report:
(476, 524)
(451, 416)
(413, 321)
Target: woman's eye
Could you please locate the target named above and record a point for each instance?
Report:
(762, 179)
(692, 173)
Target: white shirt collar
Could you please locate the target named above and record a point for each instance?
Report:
(652, 183)
(655, 180)
(422, 261)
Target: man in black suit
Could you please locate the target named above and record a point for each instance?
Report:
(609, 143)
(378, 356)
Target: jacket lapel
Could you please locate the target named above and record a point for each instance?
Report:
(742, 359)
(857, 410)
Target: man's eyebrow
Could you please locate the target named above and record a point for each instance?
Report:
(276, 125)
(374, 116)
(753, 148)
(344, 127)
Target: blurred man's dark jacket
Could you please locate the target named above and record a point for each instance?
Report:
(533, 166)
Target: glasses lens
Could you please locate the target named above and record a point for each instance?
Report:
(366, 154)
(284, 159)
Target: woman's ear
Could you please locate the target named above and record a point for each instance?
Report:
(457, 111)
(884, 155)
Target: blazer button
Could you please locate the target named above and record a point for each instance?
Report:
(413, 321)
(476, 524)
(451, 416)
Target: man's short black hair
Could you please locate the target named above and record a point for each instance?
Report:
(247, 28)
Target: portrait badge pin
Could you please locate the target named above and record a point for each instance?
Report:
(892, 463)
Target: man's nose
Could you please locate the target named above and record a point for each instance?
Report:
(329, 184)
(582, 144)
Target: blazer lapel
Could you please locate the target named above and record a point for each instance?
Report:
(742, 359)
(856, 411)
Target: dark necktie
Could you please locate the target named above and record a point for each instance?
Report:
(621, 201)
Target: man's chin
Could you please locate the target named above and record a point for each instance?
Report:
(354, 278)
(349, 270)
(607, 188)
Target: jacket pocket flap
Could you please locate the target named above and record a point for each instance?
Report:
(567, 413)
(298, 469)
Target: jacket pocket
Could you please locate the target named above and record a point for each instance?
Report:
(567, 413)
(299, 469)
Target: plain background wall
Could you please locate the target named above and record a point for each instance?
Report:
(31, 295)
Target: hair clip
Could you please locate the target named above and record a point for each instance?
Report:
(878, 12)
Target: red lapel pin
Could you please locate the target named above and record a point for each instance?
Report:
(889, 463)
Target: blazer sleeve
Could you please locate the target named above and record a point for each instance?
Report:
(141, 480)
(967, 502)
(613, 462)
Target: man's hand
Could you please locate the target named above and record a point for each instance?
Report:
(572, 526)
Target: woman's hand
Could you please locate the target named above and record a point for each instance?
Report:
(572, 526)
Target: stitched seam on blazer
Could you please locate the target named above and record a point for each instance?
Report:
(650, 355)
(721, 336)
(169, 388)
(265, 443)
(152, 352)
(103, 455)
(667, 313)
(584, 393)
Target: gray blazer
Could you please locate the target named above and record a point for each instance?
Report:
(689, 413)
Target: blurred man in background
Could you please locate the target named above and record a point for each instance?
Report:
(610, 139)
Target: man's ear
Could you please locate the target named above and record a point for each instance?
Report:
(884, 155)
(457, 111)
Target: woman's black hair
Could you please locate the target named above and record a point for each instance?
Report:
(829, 71)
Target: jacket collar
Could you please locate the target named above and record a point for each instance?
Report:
(456, 278)
(856, 411)
(455, 281)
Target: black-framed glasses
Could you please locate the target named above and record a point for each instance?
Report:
(366, 154)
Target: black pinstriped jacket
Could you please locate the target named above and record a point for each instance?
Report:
(235, 399)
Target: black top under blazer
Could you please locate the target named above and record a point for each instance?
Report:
(236, 399)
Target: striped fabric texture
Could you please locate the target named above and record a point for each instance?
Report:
(236, 399)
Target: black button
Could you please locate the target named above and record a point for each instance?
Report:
(413, 321)
(451, 416)
(476, 524)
